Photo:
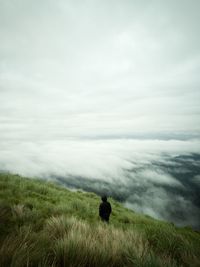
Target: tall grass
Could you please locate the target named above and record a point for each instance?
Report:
(79, 244)
(43, 225)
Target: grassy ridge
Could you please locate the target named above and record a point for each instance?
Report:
(42, 224)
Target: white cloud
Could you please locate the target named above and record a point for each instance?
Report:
(158, 177)
(102, 159)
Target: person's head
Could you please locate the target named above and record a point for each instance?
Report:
(104, 198)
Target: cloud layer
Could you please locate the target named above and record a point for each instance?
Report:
(155, 177)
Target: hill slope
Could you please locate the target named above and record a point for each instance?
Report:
(43, 224)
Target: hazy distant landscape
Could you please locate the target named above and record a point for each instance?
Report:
(155, 177)
(178, 202)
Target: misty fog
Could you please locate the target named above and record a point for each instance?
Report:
(155, 177)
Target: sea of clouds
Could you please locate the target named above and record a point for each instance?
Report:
(155, 177)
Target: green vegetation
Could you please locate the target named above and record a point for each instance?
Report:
(43, 224)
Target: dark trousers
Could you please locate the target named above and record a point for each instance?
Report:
(105, 219)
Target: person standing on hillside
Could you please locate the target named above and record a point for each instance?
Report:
(105, 209)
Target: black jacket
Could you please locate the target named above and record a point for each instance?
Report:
(105, 210)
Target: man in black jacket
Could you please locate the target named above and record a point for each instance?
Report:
(105, 209)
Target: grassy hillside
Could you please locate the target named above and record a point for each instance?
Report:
(43, 224)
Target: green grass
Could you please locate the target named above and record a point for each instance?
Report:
(43, 224)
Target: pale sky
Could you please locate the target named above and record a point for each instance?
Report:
(99, 68)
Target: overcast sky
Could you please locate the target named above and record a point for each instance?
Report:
(99, 68)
